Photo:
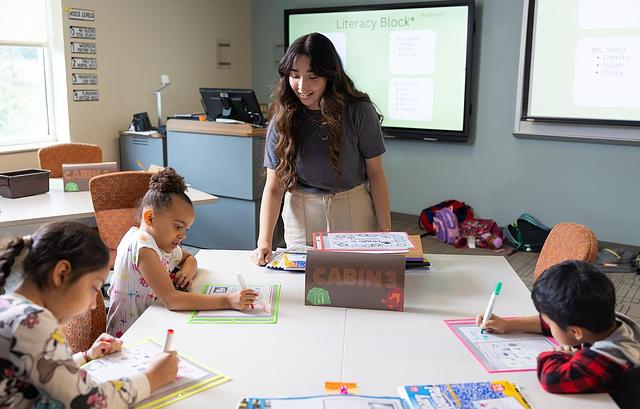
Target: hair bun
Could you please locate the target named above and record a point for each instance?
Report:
(167, 181)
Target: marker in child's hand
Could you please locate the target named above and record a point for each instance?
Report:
(168, 341)
(243, 284)
(492, 301)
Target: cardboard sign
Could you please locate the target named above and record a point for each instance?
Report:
(76, 176)
(355, 280)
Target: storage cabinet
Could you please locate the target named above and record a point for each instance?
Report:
(137, 152)
(224, 160)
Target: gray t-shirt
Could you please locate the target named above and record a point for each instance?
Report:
(361, 139)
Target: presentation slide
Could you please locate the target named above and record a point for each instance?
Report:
(586, 60)
(411, 62)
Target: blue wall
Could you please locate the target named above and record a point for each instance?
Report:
(499, 175)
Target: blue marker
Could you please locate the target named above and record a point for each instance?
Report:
(492, 301)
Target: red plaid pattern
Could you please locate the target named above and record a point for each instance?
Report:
(584, 372)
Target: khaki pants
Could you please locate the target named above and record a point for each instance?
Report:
(305, 213)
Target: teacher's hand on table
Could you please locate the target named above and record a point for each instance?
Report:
(261, 255)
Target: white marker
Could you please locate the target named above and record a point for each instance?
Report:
(492, 301)
(243, 285)
(168, 342)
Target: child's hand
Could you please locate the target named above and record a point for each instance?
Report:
(183, 279)
(104, 345)
(162, 370)
(243, 299)
(567, 349)
(494, 324)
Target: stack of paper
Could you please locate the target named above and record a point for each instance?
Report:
(290, 259)
(370, 242)
(415, 258)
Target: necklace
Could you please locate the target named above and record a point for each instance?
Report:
(320, 125)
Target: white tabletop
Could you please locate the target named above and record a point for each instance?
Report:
(379, 350)
(60, 205)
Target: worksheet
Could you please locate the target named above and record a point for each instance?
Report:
(383, 242)
(501, 352)
(325, 402)
(265, 308)
(192, 377)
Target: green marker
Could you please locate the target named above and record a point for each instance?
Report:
(492, 301)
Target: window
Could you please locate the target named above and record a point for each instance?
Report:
(27, 114)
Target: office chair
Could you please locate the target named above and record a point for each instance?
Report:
(52, 157)
(116, 197)
(567, 241)
(82, 331)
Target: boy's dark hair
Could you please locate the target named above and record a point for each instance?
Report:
(77, 243)
(162, 186)
(576, 293)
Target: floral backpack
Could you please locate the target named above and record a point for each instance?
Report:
(480, 233)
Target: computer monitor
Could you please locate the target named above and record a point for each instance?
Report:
(229, 103)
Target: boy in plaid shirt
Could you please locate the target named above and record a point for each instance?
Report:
(576, 303)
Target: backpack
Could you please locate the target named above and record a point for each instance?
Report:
(480, 233)
(526, 233)
(617, 260)
(460, 209)
(446, 225)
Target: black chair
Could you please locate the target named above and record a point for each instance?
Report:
(626, 390)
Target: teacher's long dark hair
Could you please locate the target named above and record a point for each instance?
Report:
(285, 107)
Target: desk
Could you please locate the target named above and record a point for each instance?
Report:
(310, 345)
(24, 215)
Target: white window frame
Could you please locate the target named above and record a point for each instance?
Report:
(55, 83)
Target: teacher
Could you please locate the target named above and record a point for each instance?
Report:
(323, 151)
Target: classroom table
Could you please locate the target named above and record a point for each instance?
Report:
(24, 215)
(379, 350)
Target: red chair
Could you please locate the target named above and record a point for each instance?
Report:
(52, 157)
(116, 197)
(82, 331)
(567, 241)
